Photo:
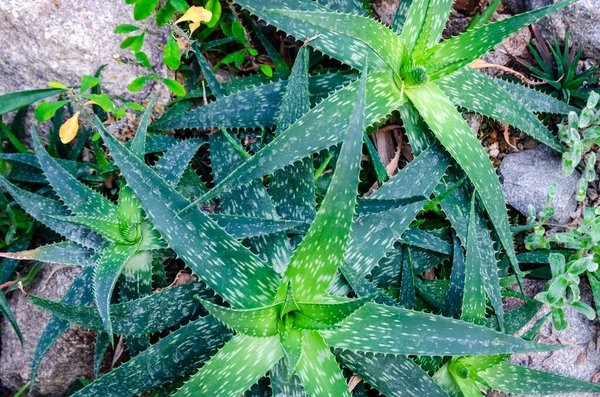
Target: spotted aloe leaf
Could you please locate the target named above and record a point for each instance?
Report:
(378, 38)
(77, 197)
(457, 52)
(102, 343)
(391, 330)
(318, 371)
(173, 163)
(355, 6)
(259, 322)
(162, 310)
(425, 22)
(464, 89)
(235, 368)
(456, 136)
(513, 378)
(177, 355)
(473, 307)
(5, 311)
(321, 128)
(312, 267)
(64, 253)
(283, 384)
(534, 100)
(138, 145)
(248, 227)
(335, 311)
(107, 270)
(456, 288)
(207, 249)
(77, 169)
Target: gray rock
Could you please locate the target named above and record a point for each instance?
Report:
(580, 359)
(580, 19)
(526, 176)
(71, 356)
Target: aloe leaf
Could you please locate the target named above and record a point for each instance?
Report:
(138, 145)
(515, 319)
(414, 21)
(80, 292)
(77, 197)
(456, 288)
(464, 89)
(513, 378)
(351, 6)
(312, 266)
(40, 207)
(215, 86)
(5, 310)
(390, 375)
(391, 330)
(456, 136)
(178, 354)
(17, 100)
(279, 62)
(336, 45)
(431, 28)
(534, 100)
(248, 227)
(318, 371)
(283, 384)
(407, 296)
(194, 237)
(102, 342)
(374, 234)
(334, 312)
(473, 306)
(377, 37)
(259, 322)
(77, 169)
(420, 238)
(173, 163)
(292, 188)
(321, 128)
(155, 312)
(191, 184)
(8, 266)
(368, 206)
(455, 53)
(401, 15)
(63, 253)
(107, 228)
(235, 368)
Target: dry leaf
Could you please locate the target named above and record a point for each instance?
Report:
(69, 129)
(196, 15)
(193, 26)
(90, 103)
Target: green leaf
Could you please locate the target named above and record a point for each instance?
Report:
(17, 100)
(248, 227)
(318, 371)
(156, 312)
(138, 145)
(102, 343)
(465, 87)
(103, 100)
(235, 368)
(534, 100)
(143, 8)
(457, 137)
(55, 84)
(455, 53)
(175, 87)
(312, 266)
(6, 312)
(282, 383)
(194, 237)
(260, 322)
(63, 253)
(180, 5)
(376, 36)
(45, 110)
(138, 83)
(77, 197)
(172, 53)
(335, 311)
(88, 82)
(125, 28)
(213, 83)
(177, 355)
(213, 6)
(473, 306)
(109, 229)
(165, 14)
(135, 43)
(174, 162)
(513, 378)
(266, 70)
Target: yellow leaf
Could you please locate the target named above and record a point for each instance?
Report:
(69, 129)
(196, 15)
(193, 26)
(90, 103)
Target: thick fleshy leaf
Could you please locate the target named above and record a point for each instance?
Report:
(423, 239)
(456, 289)
(457, 137)
(534, 100)
(473, 305)
(258, 322)
(42, 209)
(424, 24)
(376, 36)
(317, 258)
(107, 271)
(217, 258)
(453, 54)
(63, 253)
(464, 89)
(390, 375)
(107, 228)
(235, 368)
(353, 6)
(513, 378)
(78, 169)
(77, 197)
(173, 163)
(321, 128)
(5, 311)
(345, 48)
(333, 313)
(178, 354)
(247, 227)
(392, 330)
(102, 342)
(138, 145)
(162, 310)
(319, 373)
(283, 384)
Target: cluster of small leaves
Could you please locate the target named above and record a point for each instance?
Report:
(581, 134)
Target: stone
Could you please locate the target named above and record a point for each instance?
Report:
(526, 176)
(580, 19)
(71, 356)
(581, 357)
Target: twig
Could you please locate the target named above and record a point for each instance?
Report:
(480, 64)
